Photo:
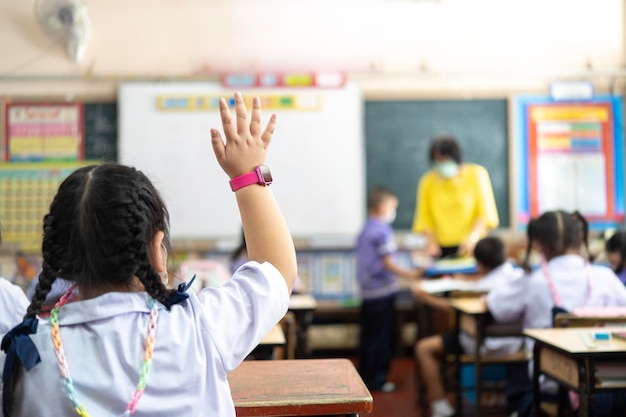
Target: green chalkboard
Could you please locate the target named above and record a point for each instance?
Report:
(398, 136)
(100, 131)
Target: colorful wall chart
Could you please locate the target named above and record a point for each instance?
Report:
(569, 156)
(43, 132)
(27, 190)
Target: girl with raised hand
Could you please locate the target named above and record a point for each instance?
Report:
(130, 346)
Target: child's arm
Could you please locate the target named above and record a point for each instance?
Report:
(245, 148)
(390, 265)
(440, 303)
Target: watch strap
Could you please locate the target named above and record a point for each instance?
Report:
(244, 180)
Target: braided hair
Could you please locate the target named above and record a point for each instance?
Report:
(556, 232)
(98, 234)
(617, 244)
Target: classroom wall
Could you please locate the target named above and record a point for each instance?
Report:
(392, 47)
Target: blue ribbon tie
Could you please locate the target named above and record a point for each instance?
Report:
(17, 344)
(181, 294)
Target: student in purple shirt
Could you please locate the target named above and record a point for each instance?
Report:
(616, 253)
(377, 274)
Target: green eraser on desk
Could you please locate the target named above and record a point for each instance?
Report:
(601, 335)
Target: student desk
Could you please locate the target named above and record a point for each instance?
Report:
(302, 306)
(301, 387)
(565, 356)
(471, 316)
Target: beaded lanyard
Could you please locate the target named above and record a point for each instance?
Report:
(552, 287)
(65, 372)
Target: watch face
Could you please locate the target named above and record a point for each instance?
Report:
(266, 174)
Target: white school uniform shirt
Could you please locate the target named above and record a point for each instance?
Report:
(13, 305)
(197, 343)
(494, 346)
(529, 298)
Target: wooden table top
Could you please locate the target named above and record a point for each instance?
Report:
(301, 387)
(572, 340)
(302, 302)
(471, 306)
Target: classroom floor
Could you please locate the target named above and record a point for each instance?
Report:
(403, 401)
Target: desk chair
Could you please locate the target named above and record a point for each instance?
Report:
(571, 320)
(289, 325)
(478, 323)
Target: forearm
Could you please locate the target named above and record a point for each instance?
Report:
(267, 236)
(439, 303)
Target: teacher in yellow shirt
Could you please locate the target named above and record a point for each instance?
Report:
(455, 203)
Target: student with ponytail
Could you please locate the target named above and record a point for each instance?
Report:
(130, 346)
(564, 281)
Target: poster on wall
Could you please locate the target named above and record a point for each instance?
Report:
(36, 132)
(569, 156)
(26, 191)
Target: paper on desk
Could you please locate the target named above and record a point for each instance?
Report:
(435, 286)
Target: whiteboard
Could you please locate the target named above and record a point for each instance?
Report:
(316, 157)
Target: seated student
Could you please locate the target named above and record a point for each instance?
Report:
(616, 253)
(564, 281)
(13, 304)
(491, 262)
(130, 346)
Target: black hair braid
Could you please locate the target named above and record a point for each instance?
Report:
(530, 235)
(584, 226)
(146, 273)
(53, 255)
(46, 278)
(8, 389)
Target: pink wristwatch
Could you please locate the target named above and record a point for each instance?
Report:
(261, 175)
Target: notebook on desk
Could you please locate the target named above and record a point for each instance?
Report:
(452, 266)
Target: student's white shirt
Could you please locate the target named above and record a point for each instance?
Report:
(13, 305)
(494, 346)
(197, 343)
(529, 299)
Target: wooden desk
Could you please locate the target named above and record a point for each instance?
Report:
(301, 387)
(471, 316)
(563, 355)
(302, 306)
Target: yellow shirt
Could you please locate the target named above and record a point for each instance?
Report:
(449, 208)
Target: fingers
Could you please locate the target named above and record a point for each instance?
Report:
(241, 113)
(266, 137)
(255, 122)
(227, 122)
(218, 145)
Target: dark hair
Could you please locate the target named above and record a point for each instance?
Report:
(557, 232)
(377, 195)
(235, 254)
(446, 146)
(617, 243)
(98, 234)
(490, 252)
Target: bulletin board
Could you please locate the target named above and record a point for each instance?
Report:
(316, 156)
(569, 156)
(43, 132)
(42, 144)
(27, 189)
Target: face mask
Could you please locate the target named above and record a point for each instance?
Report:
(390, 216)
(447, 169)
